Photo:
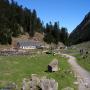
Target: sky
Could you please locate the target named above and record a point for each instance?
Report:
(69, 13)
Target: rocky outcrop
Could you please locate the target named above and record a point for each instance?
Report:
(39, 83)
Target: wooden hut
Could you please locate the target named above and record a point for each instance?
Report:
(53, 66)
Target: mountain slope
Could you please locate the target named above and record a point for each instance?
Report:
(82, 32)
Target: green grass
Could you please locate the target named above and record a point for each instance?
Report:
(84, 62)
(15, 68)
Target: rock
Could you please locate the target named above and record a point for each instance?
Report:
(39, 83)
(76, 83)
(24, 84)
(11, 86)
(53, 66)
(48, 84)
(86, 85)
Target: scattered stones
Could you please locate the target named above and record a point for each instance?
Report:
(34, 82)
(11, 86)
(24, 85)
(39, 83)
(48, 84)
(86, 85)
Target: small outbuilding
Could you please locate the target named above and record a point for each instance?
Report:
(53, 66)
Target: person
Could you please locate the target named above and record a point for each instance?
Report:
(86, 52)
(81, 51)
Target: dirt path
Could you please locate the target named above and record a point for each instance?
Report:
(83, 77)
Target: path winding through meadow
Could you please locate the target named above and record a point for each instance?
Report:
(83, 76)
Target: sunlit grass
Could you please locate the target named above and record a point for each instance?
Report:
(84, 62)
(15, 68)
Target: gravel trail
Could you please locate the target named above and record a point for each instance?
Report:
(83, 76)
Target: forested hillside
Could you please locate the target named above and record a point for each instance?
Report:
(16, 20)
(55, 34)
(82, 32)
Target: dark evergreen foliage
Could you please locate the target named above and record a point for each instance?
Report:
(53, 34)
(16, 20)
(82, 32)
(13, 17)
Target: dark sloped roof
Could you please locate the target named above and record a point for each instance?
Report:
(29, 43)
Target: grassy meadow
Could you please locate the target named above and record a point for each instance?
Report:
(75, 51)
(84, 62)
(15, 68)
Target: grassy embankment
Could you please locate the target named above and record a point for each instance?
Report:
(15, 68)
(75, 51)
(84, 62)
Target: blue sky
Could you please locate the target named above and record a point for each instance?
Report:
(69, 13)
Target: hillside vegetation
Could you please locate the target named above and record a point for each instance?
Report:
(15, 20)
(20, 20)
(84, 45)
(82, 32)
